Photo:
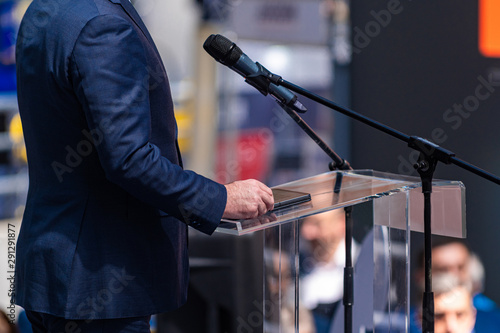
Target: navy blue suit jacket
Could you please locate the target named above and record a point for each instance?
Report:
(104, 231)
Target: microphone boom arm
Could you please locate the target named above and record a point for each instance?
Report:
(417, 143)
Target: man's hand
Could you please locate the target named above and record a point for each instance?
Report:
(247, 199)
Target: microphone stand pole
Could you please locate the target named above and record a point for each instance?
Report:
(430, 155)
(341, 164)
(337, 161)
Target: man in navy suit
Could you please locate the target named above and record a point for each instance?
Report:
(103, 239)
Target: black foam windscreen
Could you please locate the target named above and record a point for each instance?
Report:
(222, 49)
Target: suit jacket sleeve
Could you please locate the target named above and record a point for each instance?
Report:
(112, 82)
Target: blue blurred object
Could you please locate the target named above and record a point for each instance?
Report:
(8, 31)
(23, 324)
(487, 316)
(483, 303)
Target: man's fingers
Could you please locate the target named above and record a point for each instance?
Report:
(265, 195)
(266, 189)
(262, 209)
(268, 197)
(269, 201)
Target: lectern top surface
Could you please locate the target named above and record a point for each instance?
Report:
(330, 191)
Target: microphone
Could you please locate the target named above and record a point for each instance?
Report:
(227, 53)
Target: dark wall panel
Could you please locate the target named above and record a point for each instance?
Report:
(416, 67)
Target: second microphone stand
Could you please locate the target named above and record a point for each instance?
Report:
(337, 163)
(430, 155)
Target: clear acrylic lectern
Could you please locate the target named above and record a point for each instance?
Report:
(386, 207)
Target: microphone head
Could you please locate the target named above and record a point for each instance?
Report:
(222, 49)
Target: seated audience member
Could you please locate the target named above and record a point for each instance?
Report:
(322, 265)
(453, 308)
(453, 256)
(281, 296)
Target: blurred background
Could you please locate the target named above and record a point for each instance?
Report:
(426, 68)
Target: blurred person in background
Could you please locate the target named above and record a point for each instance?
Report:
(281, 288)
(322, 265)
(5, 325)
(453, 256)
(453, 308)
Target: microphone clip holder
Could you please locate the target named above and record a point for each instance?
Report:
(431, 149)
(262, 79)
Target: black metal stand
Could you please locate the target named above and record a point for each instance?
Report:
(425, 167)
(348, 299)
(341, 164)
(430, 155)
